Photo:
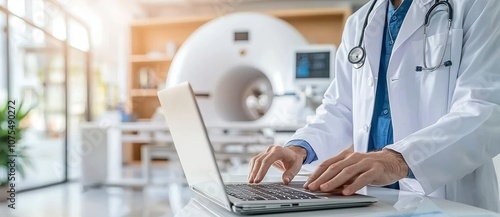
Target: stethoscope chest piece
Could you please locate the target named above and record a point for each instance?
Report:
(357, 55)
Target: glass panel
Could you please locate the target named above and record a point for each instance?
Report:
(78, 36)
(56, 24)
(17, 7)
(3, 63)
(39, 16)
(3, 94)
(37, 78)
(57, 27)
(47, 16)
(77, 82)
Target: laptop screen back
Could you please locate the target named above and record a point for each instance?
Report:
(191, 142)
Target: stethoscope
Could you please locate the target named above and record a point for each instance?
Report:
(357, 55)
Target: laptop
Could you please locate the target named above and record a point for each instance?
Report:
(197, 158)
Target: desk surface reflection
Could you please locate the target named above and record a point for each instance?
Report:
(392, 203)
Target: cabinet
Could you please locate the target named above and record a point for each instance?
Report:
(151, 41)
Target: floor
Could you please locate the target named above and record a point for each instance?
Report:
(72, 200)
(69, 200)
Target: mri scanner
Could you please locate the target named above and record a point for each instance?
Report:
(241, 67)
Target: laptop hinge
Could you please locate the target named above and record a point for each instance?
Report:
(213, 199)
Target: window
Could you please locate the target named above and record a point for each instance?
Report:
(39, 76)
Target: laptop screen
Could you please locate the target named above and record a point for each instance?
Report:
(191, 142)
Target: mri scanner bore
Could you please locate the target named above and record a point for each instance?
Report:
(248, 74)
(245, 94)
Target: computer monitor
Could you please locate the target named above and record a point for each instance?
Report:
(314, 65)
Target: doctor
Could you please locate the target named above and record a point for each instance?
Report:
(416, 112)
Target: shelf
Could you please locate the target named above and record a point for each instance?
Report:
(299, 13)
(278, 13)
(143, 92)
(171, 21)
(148, 59)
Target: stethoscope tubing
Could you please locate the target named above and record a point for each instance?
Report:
(358, 60)
(427, 21)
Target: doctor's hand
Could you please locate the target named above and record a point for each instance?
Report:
(287, 159)
(350, 171)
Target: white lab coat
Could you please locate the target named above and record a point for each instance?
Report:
(447, 122)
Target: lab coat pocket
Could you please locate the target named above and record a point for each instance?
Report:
(434, 47)
(434, 86)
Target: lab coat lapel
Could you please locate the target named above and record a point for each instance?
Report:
(413, 21)
(374, 35)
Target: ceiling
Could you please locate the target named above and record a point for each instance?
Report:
(169, 8)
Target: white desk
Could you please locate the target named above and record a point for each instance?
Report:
(102, 140)
(151, 126)
(392, 203)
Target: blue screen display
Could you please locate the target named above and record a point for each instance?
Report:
(312, 65)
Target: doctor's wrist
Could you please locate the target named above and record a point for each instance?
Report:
(300, 151)
(399, 167)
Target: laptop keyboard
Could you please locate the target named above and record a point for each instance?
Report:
(248, 192)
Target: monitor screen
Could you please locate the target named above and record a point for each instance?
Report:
(312, 65)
